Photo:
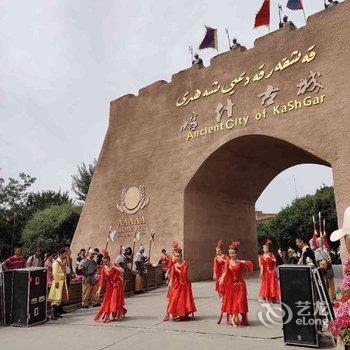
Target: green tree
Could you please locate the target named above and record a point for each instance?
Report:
(82, 180)
(14, 193)
(44, 199)
(296, 219)
(13, 196)
(50, 228)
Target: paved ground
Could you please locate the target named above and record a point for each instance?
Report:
(143, 329)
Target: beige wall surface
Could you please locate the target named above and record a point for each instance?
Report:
(204, 189)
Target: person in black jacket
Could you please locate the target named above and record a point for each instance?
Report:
(307, 256)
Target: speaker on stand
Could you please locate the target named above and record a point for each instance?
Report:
(306, 307)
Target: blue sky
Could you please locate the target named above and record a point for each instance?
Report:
(62, 62)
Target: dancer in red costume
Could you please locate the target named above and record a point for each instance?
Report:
(113, 300)
(218, 269)
(171, 262)
(181, 303)
(235, 302)
(269, 288)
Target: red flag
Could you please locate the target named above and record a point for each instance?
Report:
(263, 16)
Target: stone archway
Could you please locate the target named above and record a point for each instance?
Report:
(290, 94)
(219, 200)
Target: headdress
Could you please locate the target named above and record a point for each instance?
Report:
(268, 243)
(177, 249)
(219, 245)
(174, 245)
(233, 247)
(105, 253)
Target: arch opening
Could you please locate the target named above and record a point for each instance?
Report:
(220, 198)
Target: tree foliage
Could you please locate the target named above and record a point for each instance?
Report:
(50, 228)
(296, 219)
(13, 197)
(41, 200)
(82, 180)
(18, 205)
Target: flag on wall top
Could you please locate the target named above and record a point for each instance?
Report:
(263, 16)
(295, 5)
(210, 39)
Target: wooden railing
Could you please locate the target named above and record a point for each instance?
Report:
(152, 279)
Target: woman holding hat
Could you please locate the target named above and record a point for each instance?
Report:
(269, 288)
(218, 269)
(235, 303)
(113, 301)
(344, 232)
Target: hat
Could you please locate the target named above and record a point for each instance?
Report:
(336, 235)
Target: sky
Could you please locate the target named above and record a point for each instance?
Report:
(62, 62)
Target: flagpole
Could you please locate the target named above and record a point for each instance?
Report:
(269, 16)
(314, 221)
(228, 37)
(133, 247)
(133, 252)
(109, 231)
(320, 223)
(149, 250)
(279, 13)
(303, 11)
(191, 52)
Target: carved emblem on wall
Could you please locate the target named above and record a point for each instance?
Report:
(132, 200)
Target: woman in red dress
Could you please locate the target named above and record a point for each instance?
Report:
(181, 303)
(235, 302)
(218, 269)
(171, 262)
(113, 300)
(269, 288)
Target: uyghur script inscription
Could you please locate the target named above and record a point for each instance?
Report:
(229, 88)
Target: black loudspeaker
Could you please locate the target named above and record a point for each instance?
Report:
(301, 323)
(5, 297)
(29, 302)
